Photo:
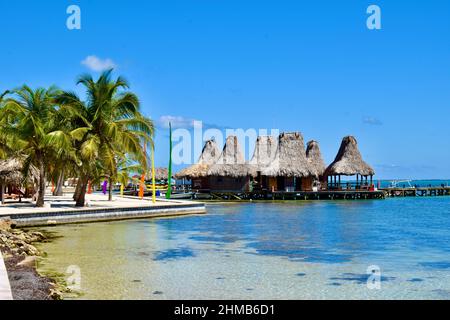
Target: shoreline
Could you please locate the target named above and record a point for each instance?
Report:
(20, 258)
(61, 210)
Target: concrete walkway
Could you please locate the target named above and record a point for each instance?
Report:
(60, 210)
(5, 288)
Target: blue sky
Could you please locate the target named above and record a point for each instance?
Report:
(309, 66)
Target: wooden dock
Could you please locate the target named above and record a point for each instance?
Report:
(417, 192)
(299, 195)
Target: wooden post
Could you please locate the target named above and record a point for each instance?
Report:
(2, 193)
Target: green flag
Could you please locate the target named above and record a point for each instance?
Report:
(169, 184)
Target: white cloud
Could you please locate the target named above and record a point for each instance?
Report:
(96, 64)
(176, 121)
(185, 123)
(372, 121)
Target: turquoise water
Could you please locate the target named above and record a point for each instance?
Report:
(291, 250)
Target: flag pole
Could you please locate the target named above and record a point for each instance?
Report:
(141, 185)
(153, 176)
(169, 184)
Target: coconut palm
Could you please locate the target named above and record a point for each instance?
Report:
(111, 126)
(29, 119)
(3, 144)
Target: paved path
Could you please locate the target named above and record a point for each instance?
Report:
(96, 201)
(61, 210)
(5, 289)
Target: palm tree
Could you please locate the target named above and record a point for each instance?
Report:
(112, 127)
(29, 120)
(6, 143)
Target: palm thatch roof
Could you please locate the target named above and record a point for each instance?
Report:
(231, 162)
(11, 172)
(349, 161)
(160, 174)
(290, 159)
(314, 157)
(209, 156)
(264, 154)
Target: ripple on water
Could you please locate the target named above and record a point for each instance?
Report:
(415, 280)
(172, 254)
(360, 278)
(443, 265)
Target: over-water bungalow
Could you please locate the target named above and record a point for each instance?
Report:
(198, 172)
(316, 163)
(263, 156)
(349, 162)
(289, 170)
(230, 173)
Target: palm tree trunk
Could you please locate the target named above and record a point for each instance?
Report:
(110, 190)
(41, 189)
(77, 192)
(81, 199)
(59, 184)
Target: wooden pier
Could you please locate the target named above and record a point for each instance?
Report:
(417, 192)
(299, 195)
(340, 194)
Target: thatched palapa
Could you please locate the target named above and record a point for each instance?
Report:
(314, 157)
(290, 159)
(349, 161)
(160, 174)
(209, 156)
(11, 172)
(231, 162)
(264, 154)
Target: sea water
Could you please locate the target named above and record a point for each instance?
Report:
(370, 249)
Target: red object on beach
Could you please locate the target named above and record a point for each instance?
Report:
(141, 187)
(53, 186)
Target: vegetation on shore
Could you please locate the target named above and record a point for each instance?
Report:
(62, 135)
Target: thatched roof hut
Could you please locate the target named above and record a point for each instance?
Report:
(231, 162)
(160, 174)
(264, 154)
(349, 161)
(314, 157)
(290, 159)
(209, 156)
(11, 172)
